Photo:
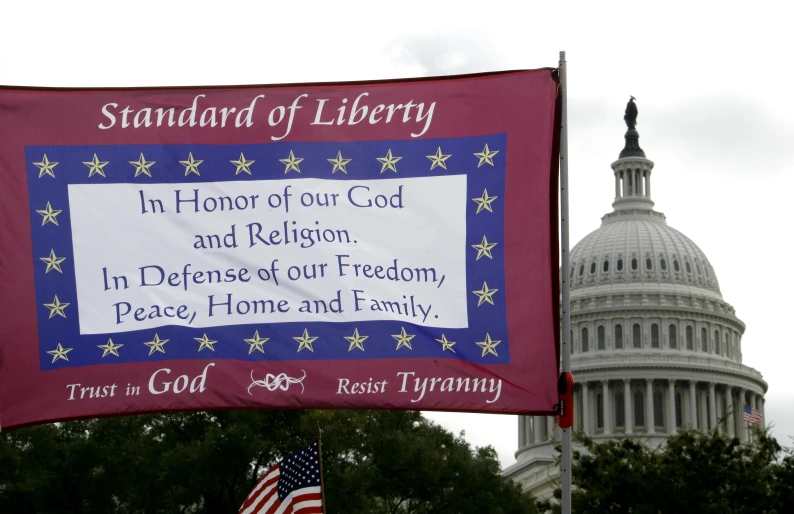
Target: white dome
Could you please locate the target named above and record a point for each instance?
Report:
(639, 247)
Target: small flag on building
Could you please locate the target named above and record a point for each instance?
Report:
(752, 416)
(293, 485)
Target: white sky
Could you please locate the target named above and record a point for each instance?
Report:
(712, 81)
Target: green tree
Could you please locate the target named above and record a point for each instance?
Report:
(207, 462)
(692, 472)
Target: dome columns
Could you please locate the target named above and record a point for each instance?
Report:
(632, 183)
(628, 413)
(662, 406)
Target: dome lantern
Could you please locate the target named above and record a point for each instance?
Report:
(632, 169)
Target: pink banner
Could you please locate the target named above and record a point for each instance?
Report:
(387, 245)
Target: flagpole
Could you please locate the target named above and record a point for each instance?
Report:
(565, 500)
(320, 454)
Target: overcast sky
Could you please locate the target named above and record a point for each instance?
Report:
(713, 83)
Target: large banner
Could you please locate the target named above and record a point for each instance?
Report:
(368, 245)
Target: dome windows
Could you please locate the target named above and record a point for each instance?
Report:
(672, 331)
(606, 265)
(592, 268)
(648, 263)
(676, 266)
(636, 336)
(654, 336)
(585, 340)
(618, 337)
(581, 270)
(688, 267)
(620, 265)
(602, 338)
(639, 409)
(717, 342)
(700, 272)
(690, 336)
(663, 264)
(634, 264)
(704, 341)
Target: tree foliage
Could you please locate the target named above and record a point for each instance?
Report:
(207, 462)
(692, 472)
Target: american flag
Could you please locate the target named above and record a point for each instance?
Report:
(292, 485)
(752, 416)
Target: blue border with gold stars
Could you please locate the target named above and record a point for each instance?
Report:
(51, 169)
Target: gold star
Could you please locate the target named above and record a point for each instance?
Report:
(486, 156)
(205, 343)
(53, 262)
(156, 345)
(484, 202)
(389, 162)
(256, 343)
(403, 339)
(339, 163)
(485, 294)
(291, 164)
(446, 345)
(56, 307)
(484, 248)
(488, 346)
(49, 214)
(95, 167)
(438, 159)
(243, 165)
(356, 341)
(46, 168)
(110, 348)
(191, 166)
(60, 353)
(305, 341)
(142, 166)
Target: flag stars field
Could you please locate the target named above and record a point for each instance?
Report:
(439, 159)
(243, 165)
(403, 339)
(486, 156)
(46, 167)
(95, 167)
(49, 214)
(356, 341)
(485, 294)
(142, 166)
(156, 345)
(256, 343)
(56, 307)
(291, 163)
(191, 165)
(110, 348)
(204, 342)
(59, 353)
(339, 163)
(305, 341)
(389, 162)
(488, 346)
(484, 202)
(53, 262)
(445, 344)
(484, 248)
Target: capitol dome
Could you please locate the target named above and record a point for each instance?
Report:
(629, 252)
(654, 346)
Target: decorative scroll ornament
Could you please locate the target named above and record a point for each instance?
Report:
(272, 382)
